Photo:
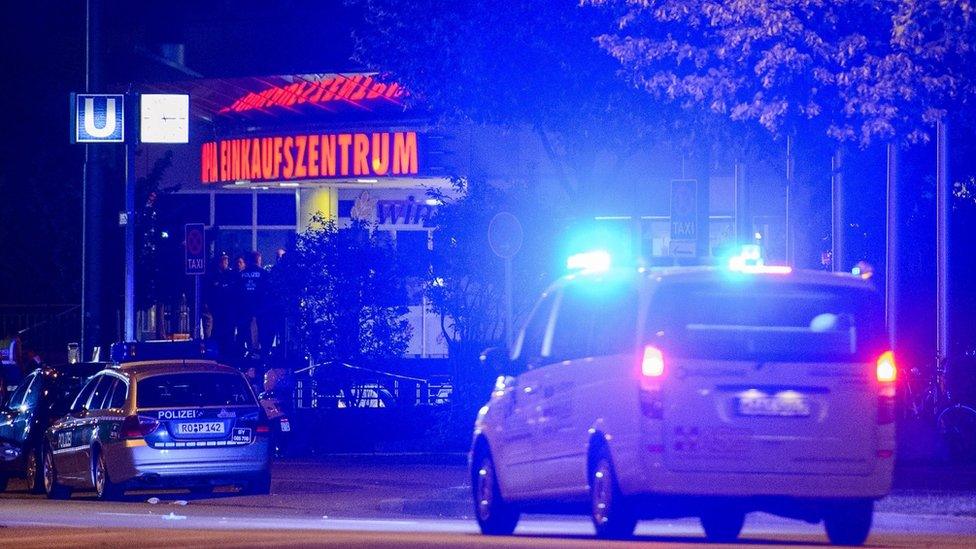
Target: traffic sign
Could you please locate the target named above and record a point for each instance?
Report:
(505, 235)
(97, 118)
(684, 218)
(196, 249)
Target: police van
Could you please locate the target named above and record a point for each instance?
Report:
(703, 392)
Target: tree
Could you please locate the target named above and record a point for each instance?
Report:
(855, 70)
(520, 64)
(347, 294)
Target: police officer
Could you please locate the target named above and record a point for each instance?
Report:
(221, 302)
(250, 301)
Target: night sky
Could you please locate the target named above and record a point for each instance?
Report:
(43, 45)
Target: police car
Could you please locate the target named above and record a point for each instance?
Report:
(165, 423)
(706, 392)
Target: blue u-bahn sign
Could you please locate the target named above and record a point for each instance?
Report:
(98, 118)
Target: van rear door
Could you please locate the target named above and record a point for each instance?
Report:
(765, 375)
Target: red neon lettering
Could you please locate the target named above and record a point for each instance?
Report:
(347, 88)
(267, 158)
(328, 155)
(345, 140)
(362, 89)
(360, 149)
(404, 153)
(224, 168)
(256, 158)
(235, 152)
(381, 153)
(376, 90)
(334, 84)
(289, 168)
(300, 169)
(276, 166)
(245, 160)
(313, 155)
(204, 163)
(319, 88)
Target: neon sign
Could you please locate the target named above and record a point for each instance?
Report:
(321, 91)
(309, 156)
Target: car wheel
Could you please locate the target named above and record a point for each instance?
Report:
(105, 489)
(53, 488)
(722, 524)
(613, 514)
(259, 485)
(849, 522)
(34, 473)
(495, 516)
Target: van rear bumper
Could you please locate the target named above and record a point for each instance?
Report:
(663, 482)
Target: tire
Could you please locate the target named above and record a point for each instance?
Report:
(613, 514)
(53, 488)
(34, 472)
(495, 516)
(957, 427)
(105, 489)
(722, 523)
(259, 485)
(849, 522)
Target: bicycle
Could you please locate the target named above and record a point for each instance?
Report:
(954, 419)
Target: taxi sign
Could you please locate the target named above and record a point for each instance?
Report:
(196, 249)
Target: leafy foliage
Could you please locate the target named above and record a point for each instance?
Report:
(857, 70)
(349, 294)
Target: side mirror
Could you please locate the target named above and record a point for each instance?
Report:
(497, 360)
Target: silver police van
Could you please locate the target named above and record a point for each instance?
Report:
(170, 423)
(706, 392)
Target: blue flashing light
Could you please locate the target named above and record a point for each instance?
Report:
(590, 262)
(750, 261)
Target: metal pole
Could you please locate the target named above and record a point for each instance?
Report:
(789, 189)
(130, 220)
(942, 211)
(891, 245)
(197, 328)
(838, 262)
(508, 303)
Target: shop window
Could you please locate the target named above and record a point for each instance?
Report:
(233, 209)
(270, 240)
(234, 242)
(345, 207)
(276, 209)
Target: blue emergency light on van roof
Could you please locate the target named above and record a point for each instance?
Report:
(750, 260)
(591, 262)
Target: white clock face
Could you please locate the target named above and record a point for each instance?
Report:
(164, 118)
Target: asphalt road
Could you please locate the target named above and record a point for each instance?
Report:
(387, 502)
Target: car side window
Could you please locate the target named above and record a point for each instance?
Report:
(81, 401)
(530, 349)
(17, 397)
(119, 393)
(103, 389)
(594, 320)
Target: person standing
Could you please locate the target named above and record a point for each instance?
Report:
(250, 293)
(221, 303)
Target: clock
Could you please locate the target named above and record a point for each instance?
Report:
(164, 118)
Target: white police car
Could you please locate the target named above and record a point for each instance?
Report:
(693, 392)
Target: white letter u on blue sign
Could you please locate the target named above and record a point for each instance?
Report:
(108, 127)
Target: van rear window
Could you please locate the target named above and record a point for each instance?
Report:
(764, 320)
(193, 389)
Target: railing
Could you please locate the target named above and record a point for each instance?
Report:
(44, 329)
(340, 385)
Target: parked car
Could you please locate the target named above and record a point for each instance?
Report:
(693, 392)
(42, 397)
(166, 423)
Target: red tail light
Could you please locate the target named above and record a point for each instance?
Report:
(138, 426)
(262, 428)
(652, 362)
(886, 371)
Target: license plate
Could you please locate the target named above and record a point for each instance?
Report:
(285, 426)
(200, 428)
(774, 406)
